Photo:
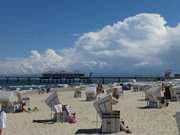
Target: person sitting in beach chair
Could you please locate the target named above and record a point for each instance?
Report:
(21, 107)
(72, 118)
(99, 89)
(123, 127)
(48, 90)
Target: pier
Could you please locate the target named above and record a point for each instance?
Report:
(30, 80)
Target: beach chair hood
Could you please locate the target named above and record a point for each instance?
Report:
(153, 93)
(8, 97)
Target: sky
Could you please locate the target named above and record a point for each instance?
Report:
(101, 36)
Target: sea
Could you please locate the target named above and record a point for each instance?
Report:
(26, 83)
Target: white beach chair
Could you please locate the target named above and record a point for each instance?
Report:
(8, 101)
(52, 100)
(173, 93)
(110, 118)
(176, 92)
(90, 93)
(153, 96)
(77, 94)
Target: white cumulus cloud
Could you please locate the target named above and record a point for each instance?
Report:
(143, 43)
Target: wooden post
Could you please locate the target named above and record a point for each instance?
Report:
(66, 81)
(73, 80)
(7, 79)
(57, 81)
(103, 80)
(18, 80)
(60, 80)
(48, 81)
(29, 80)
(119, 79)
(40, 80)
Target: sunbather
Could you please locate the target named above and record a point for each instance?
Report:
(123, 127)
(32, 109)
(21, 107)
(72, 118)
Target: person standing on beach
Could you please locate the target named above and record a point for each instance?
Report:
(99, 89)
(2, 121)
(167, 94)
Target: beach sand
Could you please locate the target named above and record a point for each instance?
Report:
(141, 121)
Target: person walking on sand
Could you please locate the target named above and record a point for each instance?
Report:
(2, 121)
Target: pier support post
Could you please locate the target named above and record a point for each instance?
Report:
(103, 80)
(119, 79)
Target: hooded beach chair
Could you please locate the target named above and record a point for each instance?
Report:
(110, 118)
(153, 96)
(77, 94)
(8, 100)
(90, 93)
(175, 93)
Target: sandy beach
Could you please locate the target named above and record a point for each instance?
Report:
(89, 67)
(141, 121)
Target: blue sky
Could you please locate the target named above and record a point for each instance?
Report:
(89, 35)
(41, 24)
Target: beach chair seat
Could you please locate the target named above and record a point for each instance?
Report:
(110, 122)
(154, 104)
(90, 97)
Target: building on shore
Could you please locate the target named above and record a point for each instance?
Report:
(63, 74)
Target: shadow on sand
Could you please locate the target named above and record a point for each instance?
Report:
(84, 100)
(88, 131)
(48, 121)
(145, 107)
(141, 99)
